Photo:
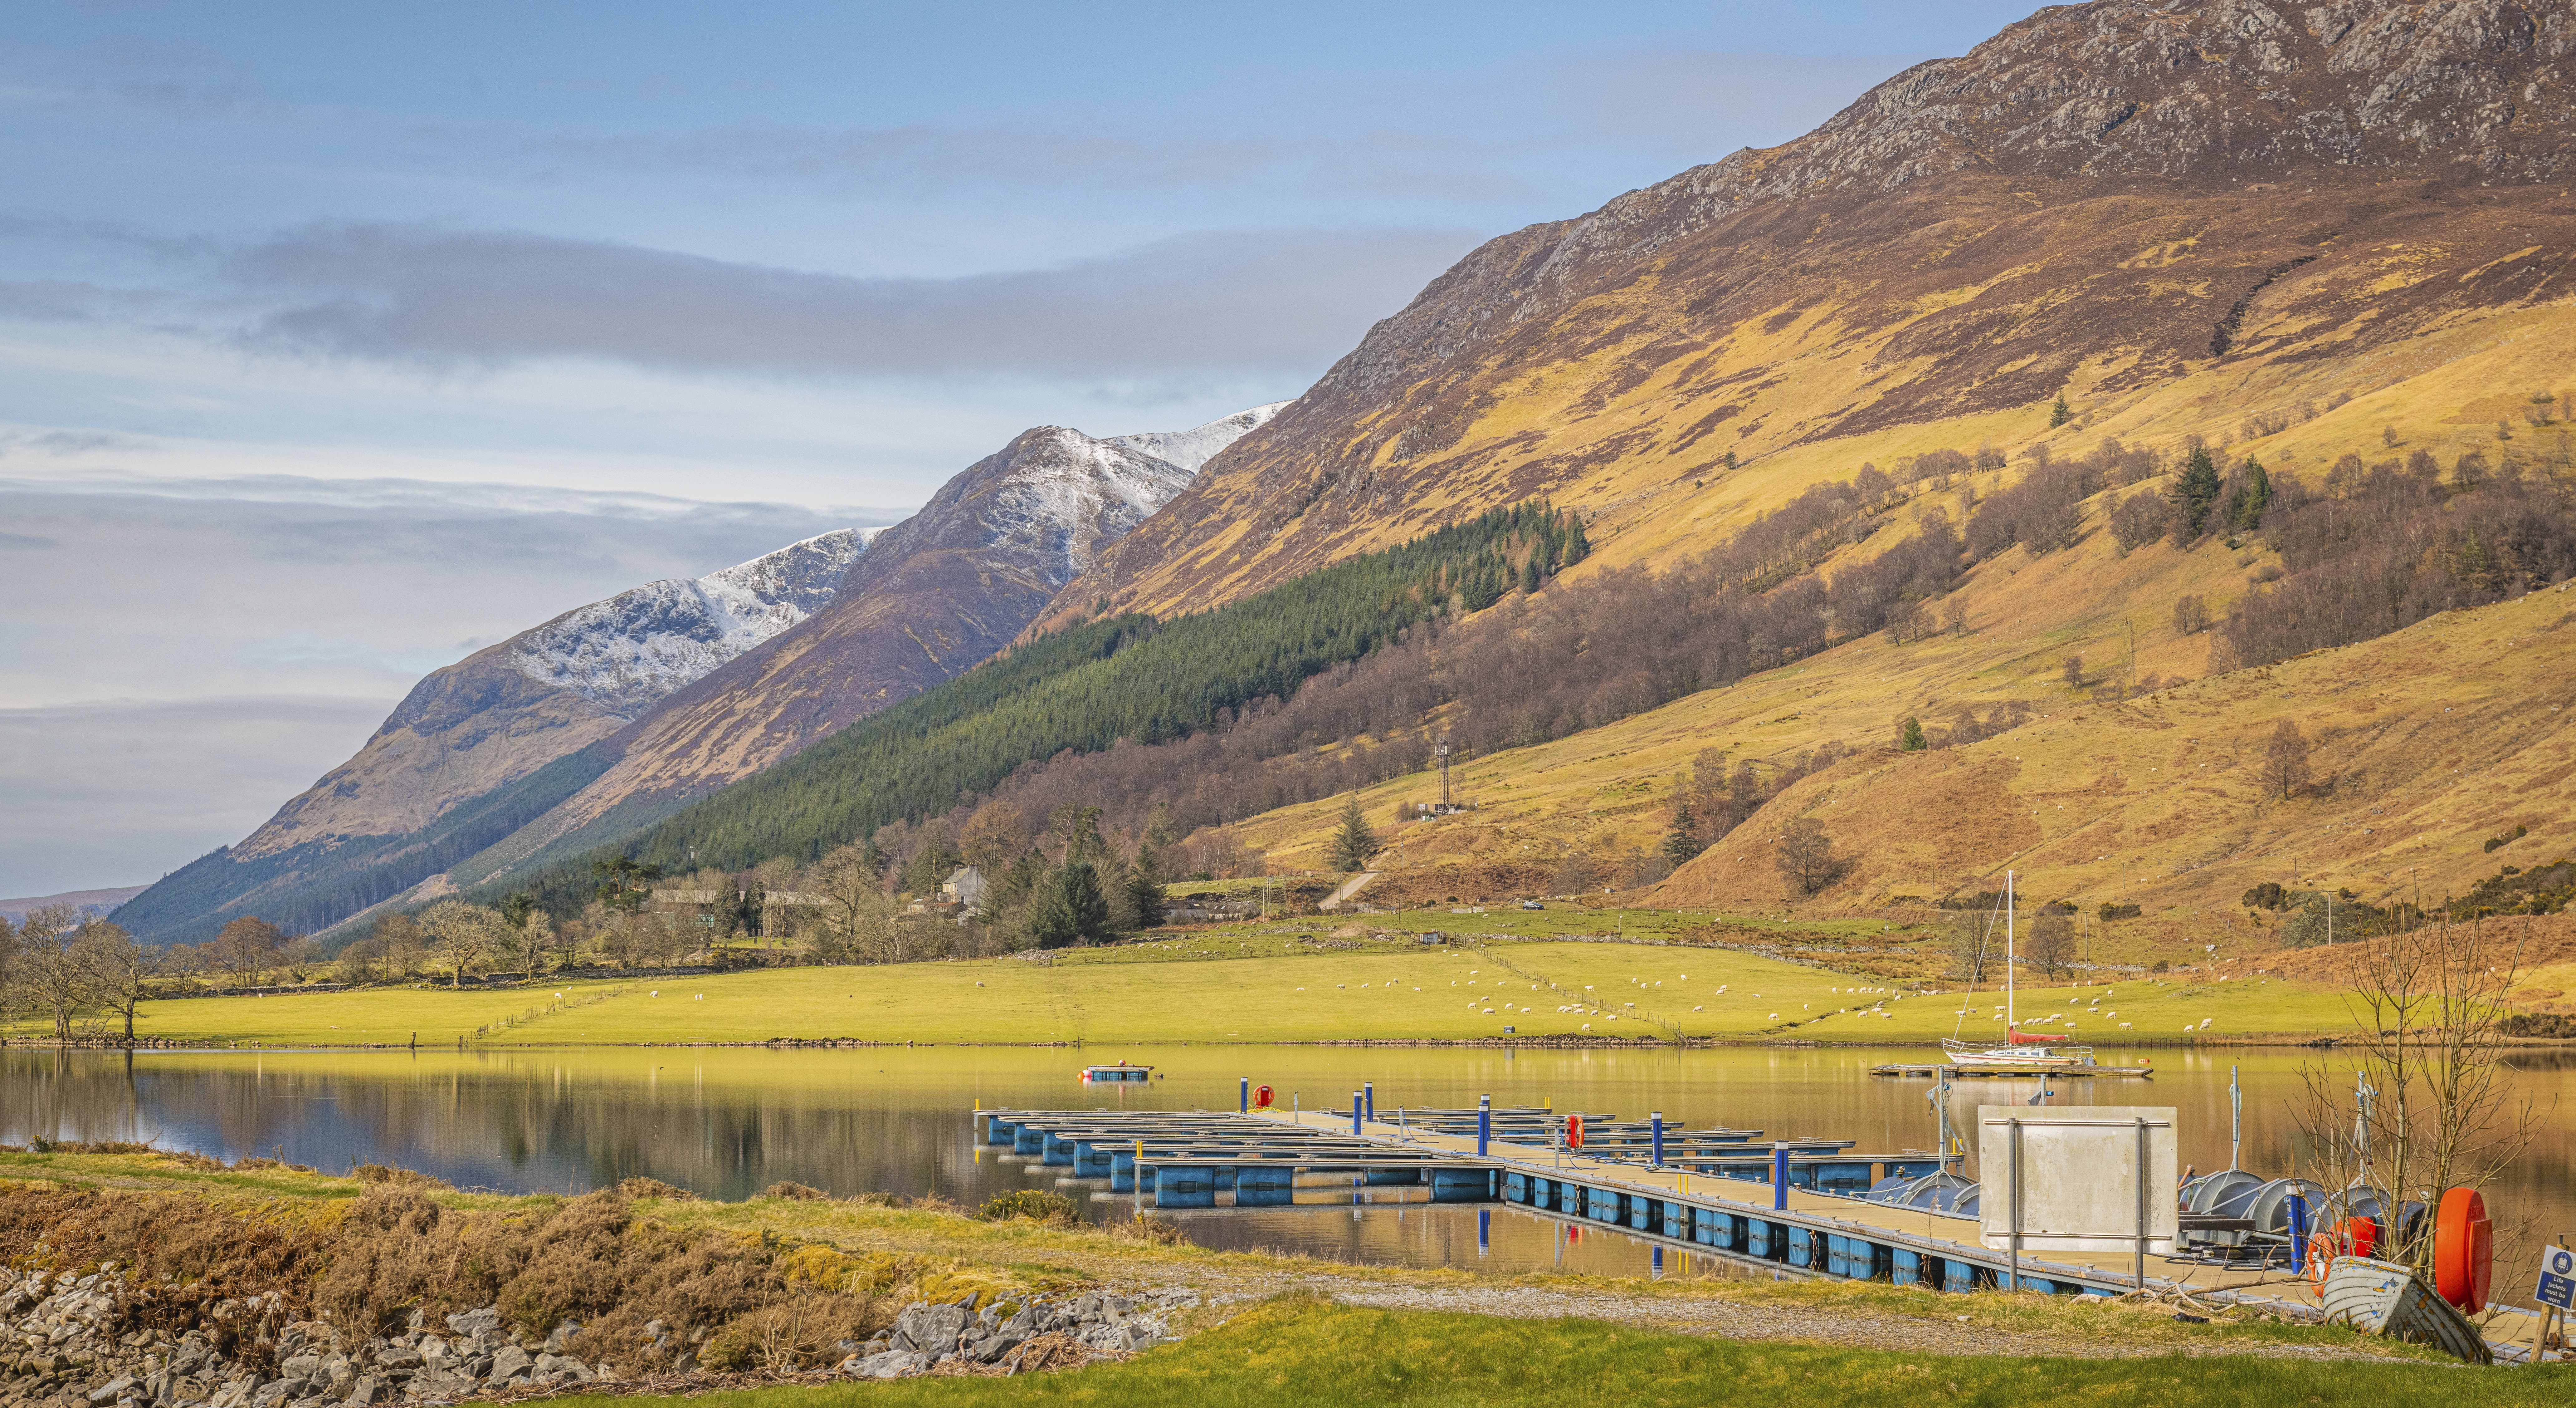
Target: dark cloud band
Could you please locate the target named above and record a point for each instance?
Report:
(1283, 299)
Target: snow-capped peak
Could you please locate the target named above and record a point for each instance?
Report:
(1194, 447)
(634, 649)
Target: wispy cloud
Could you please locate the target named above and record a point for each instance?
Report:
(1415, 165)
(115, 793)
(417, 294)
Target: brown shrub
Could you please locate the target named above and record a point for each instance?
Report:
(404, 1177)
(786, 1189)
(799, 1333)
(642, 1187)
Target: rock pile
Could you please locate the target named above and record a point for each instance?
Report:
(59, 1349)
(926, 1335)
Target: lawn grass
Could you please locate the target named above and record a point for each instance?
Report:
(1250, 983)
(1307, 1352)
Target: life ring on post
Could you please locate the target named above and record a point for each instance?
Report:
(1574, 1131)
(2463, 1250)
(1261, 1097)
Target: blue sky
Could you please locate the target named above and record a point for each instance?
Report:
(614, 292)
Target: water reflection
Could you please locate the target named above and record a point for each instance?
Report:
(727, 1123)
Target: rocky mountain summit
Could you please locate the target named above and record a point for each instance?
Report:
(628, 653)
(2101, 199)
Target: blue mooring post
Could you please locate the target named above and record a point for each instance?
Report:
(1484, 1230)
(1780, 1177)
(1243, 1096)
(1655, 1130)
(1484, 1123)
(1355, 1112)
(1368, 1091)
(2298, 1235)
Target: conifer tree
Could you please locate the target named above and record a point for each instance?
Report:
(1085, 907)
(1050, 919)
(1354, 843)
(1909, 739)
(1145, 895)
(2198, 490)
(1682, 841)
(2245, 508)
(2060, 413)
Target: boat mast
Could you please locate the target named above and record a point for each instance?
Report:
(2011, 1023)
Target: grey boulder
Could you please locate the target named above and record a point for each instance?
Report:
(476, 1322)
(893, 1364)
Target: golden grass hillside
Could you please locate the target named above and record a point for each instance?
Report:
(2426, 743)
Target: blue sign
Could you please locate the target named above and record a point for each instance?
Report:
(2557, 1278)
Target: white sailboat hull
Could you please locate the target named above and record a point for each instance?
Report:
(1969, 1053)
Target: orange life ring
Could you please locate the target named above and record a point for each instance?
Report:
(2463, 1250)
(1574, 1131)
(1261, 1097)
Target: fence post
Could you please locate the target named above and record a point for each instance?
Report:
(2142, 1203)
(2015, 1193)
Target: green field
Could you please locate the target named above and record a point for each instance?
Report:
(1249, 983)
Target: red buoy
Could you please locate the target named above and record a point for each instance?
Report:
(2463, 1250)
(1574, 1131)
(1261, 1097)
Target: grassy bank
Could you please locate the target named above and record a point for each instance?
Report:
(1254, 984)
(1277, 1329)
(1308, 1352)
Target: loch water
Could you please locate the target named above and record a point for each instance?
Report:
(727, 1122)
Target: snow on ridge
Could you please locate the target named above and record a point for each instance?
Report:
(632, 650)
(1069, 495)
(1196, 446)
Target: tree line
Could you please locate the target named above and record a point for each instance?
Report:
(1084, 690)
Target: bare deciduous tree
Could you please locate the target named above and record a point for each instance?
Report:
(463, 932)
(2051, 948)
(246, 947)
(121, 971)
(1807, 857)
(2424, 1104)
(2285, 760)
(855, 919)
(55, 979)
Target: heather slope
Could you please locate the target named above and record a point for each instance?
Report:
(2424, 744)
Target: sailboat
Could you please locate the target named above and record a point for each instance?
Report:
(2019, 1048)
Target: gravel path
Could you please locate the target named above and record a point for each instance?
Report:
(1836, 1326)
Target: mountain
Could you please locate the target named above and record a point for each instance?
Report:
(481, 746)
(935, 594)
(2334, 241)
(91, 904)
(616, 711)
(2155, 209)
